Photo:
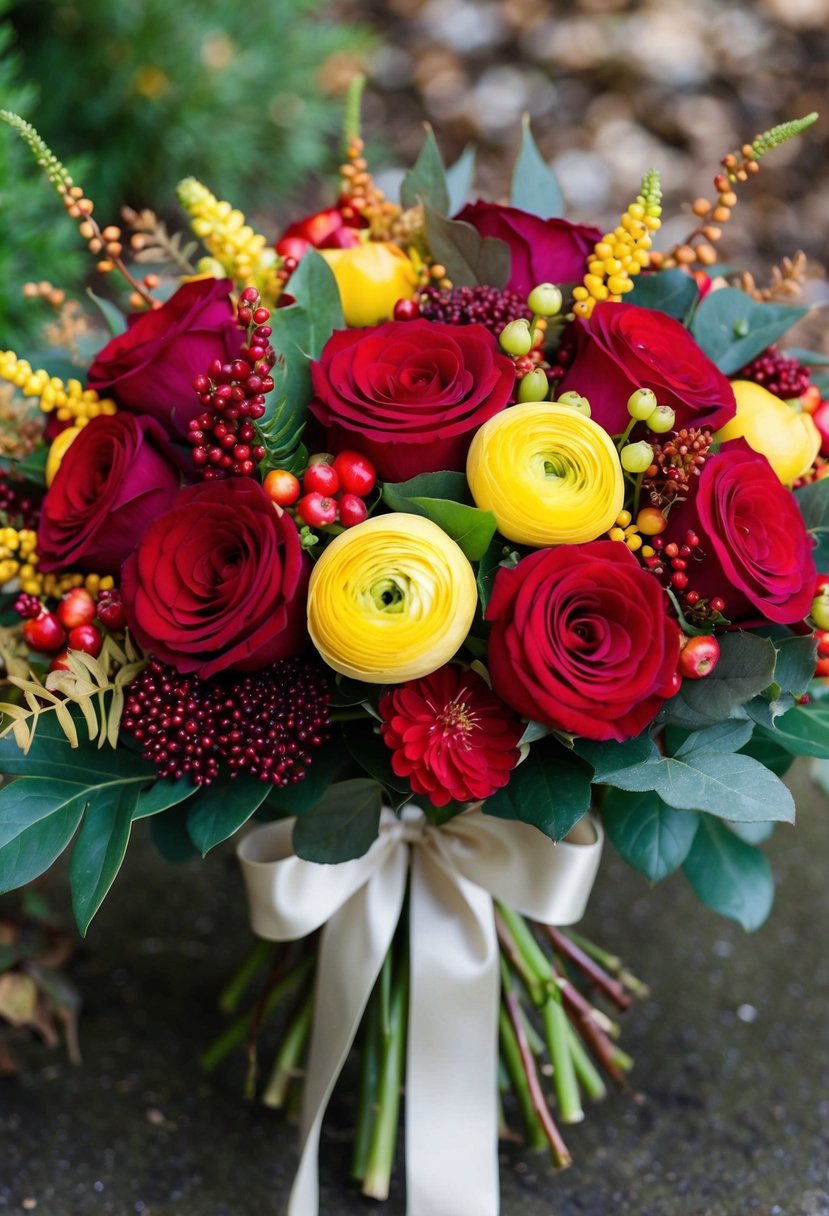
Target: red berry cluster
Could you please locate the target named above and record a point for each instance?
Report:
(71, 626)
(266, 723)
(223, 438)
(19, 502)
(335, 489)
(676, 463)
(670, 563)
(781, 375)
(487, 306)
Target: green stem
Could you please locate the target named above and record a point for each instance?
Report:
(637, 490)
(533, 1037)
(556, 1029)
(353, 104)
(589, 1077)
(610, 962)
(239, 1029)
(511, 1055)
(259, 956)
(291, 1051)
(534, 957)
(625, 435)
(377, 1176)
(369, 1075)
(511, 951)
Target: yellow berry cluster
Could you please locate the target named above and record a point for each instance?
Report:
(19, 560)
(234, 248)
(69, 400)
(629, 532)
(621, 254)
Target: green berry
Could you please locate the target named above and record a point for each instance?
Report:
(636, 457)
(545, 300)
(534, 386)
(819, 612)
(641, 404)
(661, 420)
(515, 338)
(576, 401)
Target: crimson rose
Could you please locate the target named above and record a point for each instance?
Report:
(219, 582)
(581, 640)
(541, 251)
(755, 551)
(150, 368)
(624, 347)
(117, 476)
(409, 394)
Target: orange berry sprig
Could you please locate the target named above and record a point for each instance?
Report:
(621, 254)
(361, 202)
(699, 245)
(104, 243)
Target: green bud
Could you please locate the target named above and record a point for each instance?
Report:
(534, 386)
(819, 612)
(515, 338)
(661, 420)
(641, 404)
(636, 457)
(545, 300)
(576, 401)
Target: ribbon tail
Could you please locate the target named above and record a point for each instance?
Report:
(353, 945)
(452, 1064)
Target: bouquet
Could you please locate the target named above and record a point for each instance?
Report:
(442, 539)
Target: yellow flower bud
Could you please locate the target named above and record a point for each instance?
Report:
(60, 445)
(391, 599)
(789, 440)
(550, 475)
(371, 278)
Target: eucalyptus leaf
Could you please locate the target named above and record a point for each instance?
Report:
(534, 187)
(745, 669)
(795, 665)
(459, 179)
(732, 328)
(803, 730)
(470, 259)
(116, 322)
(673, 292)
(729, 875)
(651, 836)
(426, 181)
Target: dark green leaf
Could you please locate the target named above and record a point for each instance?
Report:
(459, 179)
(426, 182)
(301, 330)
(343, 825)
(161, 795)
(38, 818)
(221, 809)
(803, 730)
(469, 527)
(346, 692)
(611, 757)
(752, 833)
(32, 467)
(52, 756)
(670, 291)
(763, 748)
(369, 751)
(652, 837)
(733, 329)
(115, 320)
(795, 666)
(170, 835)
(550, 790)
(534, 187)
(729, 875)
(397, 494)
(324, 768)
(745, 668)
(470, 259)
(99, 849)
(488, 568)
(727, 736)
(812, 358)
(813, 501)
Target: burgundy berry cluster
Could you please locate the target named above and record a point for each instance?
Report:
(233, 394)
(335, 489)
(72, 625)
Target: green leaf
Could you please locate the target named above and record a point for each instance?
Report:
(534, 186)
(762, 747)
(426, 181)
(459, 179)
(745, 669)
(100, 849)
(670, 291)
(729, 875)
(343, 825)
(51, 755)
(366, 746)
(470, 259)
(610, 757)
(161, 795)
(795, 666)
(550, 790)
(440, 497)
(727, 736)
(811, 358)
(752, 833)
(813, 501)
(300, 331)
(398, 494)
(38, 818)
(653, 838)
(115, 319)
(222, 808)
(733, 329)
(488, 568)
(170, 836)
(32, 467)
(802, 731)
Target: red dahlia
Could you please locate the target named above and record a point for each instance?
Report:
(451, 736)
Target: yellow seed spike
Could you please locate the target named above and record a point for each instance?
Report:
(70, 401)
(621, 254)
(233, 246)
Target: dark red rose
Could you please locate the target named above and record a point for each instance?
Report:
(150, 368)
(117, 476)
(541, 251)
(754, 551)
(219, 582)
(582, 641)
(624, 347)
(409, 394)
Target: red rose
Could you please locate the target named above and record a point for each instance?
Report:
(409, 394)
(117, 476)
(541, 251)
(150, 368)
(624, 347)
(582, 641)
(219, 582)
(754, 550)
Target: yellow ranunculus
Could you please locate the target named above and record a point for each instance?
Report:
(371, 277)
(60, 445)
(390, 599)
(789, 440)
(549, 475)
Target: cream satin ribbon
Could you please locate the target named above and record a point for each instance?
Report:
(452, 1050)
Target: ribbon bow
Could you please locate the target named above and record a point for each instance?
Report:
(452, 1063)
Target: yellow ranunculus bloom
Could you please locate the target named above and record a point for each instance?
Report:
(549, 475)
(390, 599)
(371, 277)
(789, 440)
(60, 445)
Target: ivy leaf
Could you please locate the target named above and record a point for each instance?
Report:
(222, 808)
(459, 179)
(733, 329)
(550, 790)
(652, 837)
(343, 825)
(534, 187)
(426, 181)
(729, 875)
(100, 849)
(670, 291)
(38, 818)
(470, 259)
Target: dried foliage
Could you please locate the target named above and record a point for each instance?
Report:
(786, 282)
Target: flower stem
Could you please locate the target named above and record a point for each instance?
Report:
(589, 1077)
(369, 1075)
(380, 1159)
(240, 1028)
(291, 1051)
(567, 948)
(517, 960)
(511, 1055)
(556, 1029)
(259, 956)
